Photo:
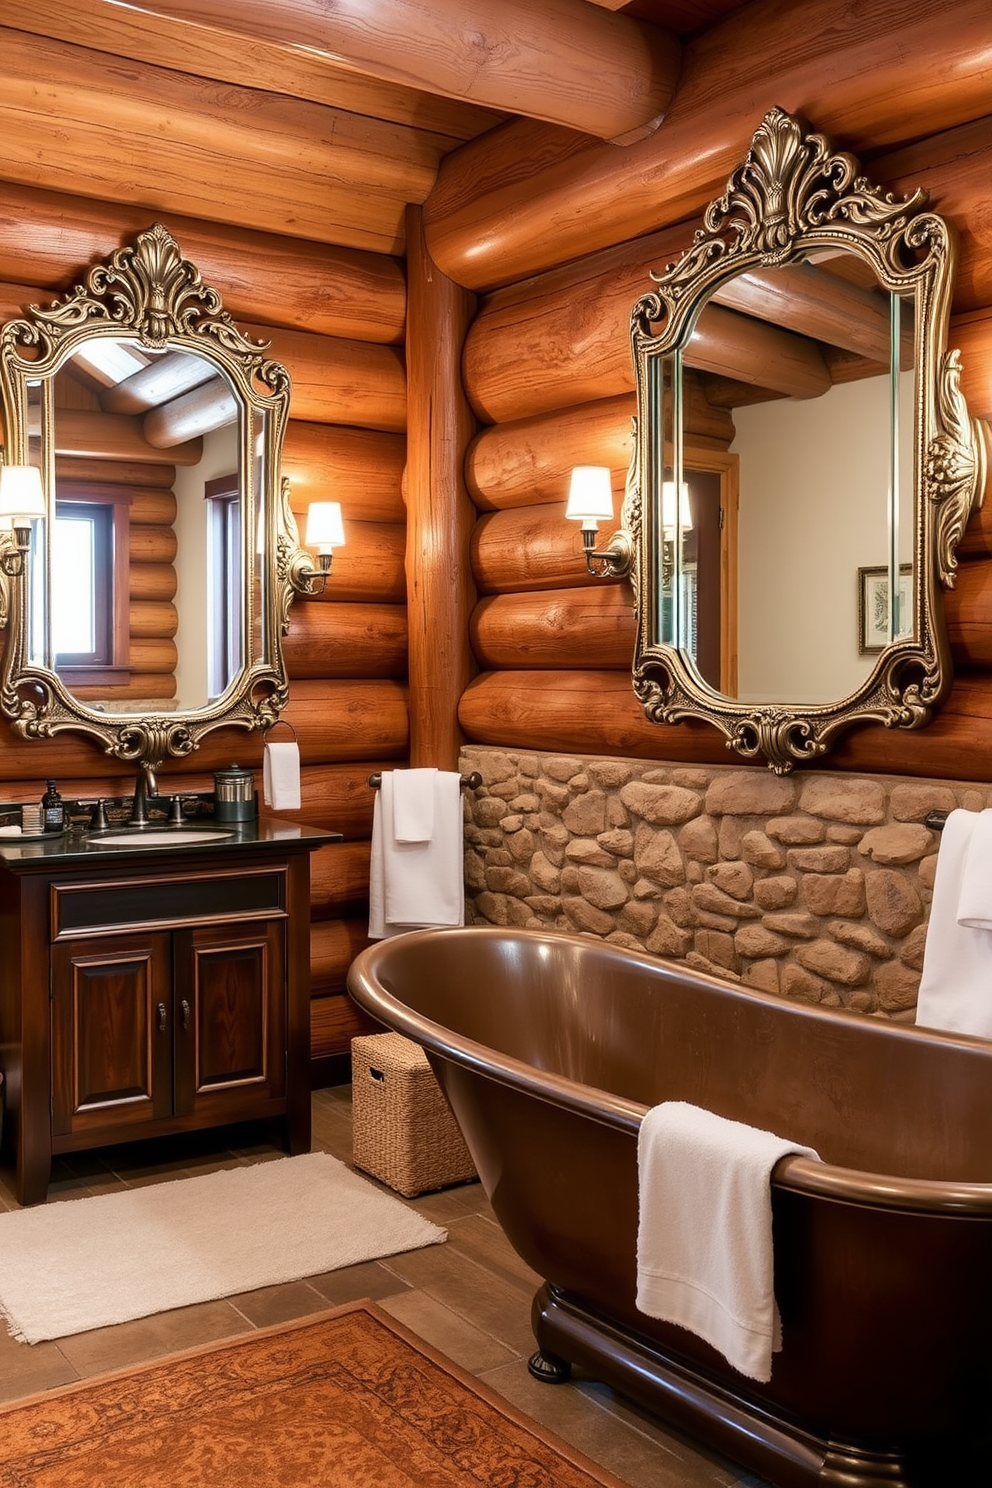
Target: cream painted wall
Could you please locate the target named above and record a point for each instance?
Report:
(220, 456)
(814, 479)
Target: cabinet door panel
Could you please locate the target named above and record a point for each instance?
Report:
(111, 1033)
(231, 1017)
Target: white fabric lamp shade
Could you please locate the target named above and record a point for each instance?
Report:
(22, 498)
(325, 528)
(675, 508)
(590, 495)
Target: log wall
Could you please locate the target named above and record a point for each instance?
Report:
(346, 652)
(548, 370)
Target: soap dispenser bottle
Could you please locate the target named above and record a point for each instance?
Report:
(52, 809)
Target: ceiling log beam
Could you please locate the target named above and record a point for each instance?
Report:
(566, 61)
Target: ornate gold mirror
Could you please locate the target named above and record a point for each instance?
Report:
(150, 604)
(790, 588)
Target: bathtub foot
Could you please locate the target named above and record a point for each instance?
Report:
(548, 1368)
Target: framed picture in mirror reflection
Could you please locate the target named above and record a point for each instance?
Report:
(873, 607)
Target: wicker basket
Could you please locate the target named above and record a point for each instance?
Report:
(403, 1131)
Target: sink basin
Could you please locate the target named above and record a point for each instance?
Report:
(162, 837)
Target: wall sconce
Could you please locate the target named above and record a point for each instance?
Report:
(22, 499)
(325, 532)
(590, 501)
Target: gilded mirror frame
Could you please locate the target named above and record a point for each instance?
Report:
(792, 197)
(148, 292)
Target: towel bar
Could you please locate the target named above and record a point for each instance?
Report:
(935, 820)
(469, 782)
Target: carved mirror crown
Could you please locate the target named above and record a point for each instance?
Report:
(813, 279)
(146, 346)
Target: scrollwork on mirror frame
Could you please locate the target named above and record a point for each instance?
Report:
(147, 292)
(791, 196)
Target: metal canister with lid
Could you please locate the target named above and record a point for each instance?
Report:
(234, 795)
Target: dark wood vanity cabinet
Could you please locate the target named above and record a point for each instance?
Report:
(161, 993)
(188, 1024)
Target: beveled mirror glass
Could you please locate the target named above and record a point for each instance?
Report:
(157, 586)
(790, 587)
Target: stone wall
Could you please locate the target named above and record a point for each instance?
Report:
(813, 886)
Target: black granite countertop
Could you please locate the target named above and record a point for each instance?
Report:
(161, 838)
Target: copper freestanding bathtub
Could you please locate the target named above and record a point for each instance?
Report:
(550, 1047)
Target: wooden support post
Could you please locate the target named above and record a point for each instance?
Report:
(440, 516)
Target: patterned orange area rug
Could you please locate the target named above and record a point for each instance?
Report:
(346, 1400)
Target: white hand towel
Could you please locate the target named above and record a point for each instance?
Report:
(281, 776)
(414, 885)
(956, 984)
(413, 805)
(704, 1242)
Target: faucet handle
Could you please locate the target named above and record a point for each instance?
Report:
(176, 811)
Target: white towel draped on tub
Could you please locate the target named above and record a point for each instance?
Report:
(704, 1240)
(956, 985)
(417, 874)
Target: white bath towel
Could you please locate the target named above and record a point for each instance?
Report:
(956, 985)
(416, 885)
(704, 1241)
(281, 776)
(413, 805)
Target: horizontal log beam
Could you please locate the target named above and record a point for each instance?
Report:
(340, 382)
(179, 144)
(732, 345)
(346, 640)
(817, 304)
(370, 566)
(161, 477)
(51, 238)
(192, 416)
(578, 65)
(530, 548)
(115, 436)
(573, 628)
(154, 545)
(339, 797)
(149, 617)
(147, 581)
(339, 878)
(163, 379)
(528, 461)
(506, 208)
(585, 712)
(968, 612)
(563, 339)
(361, 468)
(199, 44)
(334, 944)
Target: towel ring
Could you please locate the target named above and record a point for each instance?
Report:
(280, 723)
(468, 782)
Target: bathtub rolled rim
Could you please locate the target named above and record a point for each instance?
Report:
(795, 1174)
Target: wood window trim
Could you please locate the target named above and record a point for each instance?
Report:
(116, 672)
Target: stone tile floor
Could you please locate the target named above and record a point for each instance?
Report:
(469, 1298)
